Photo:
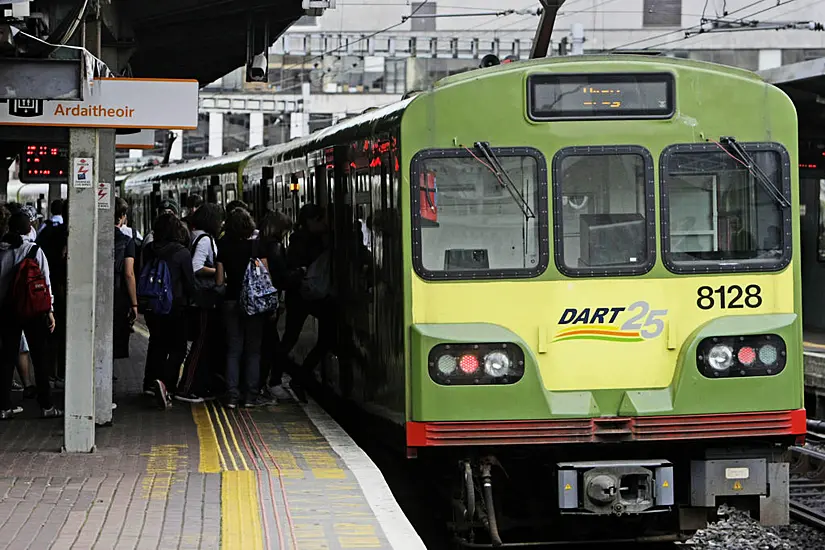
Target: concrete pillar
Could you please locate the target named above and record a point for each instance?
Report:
(770, 59)
(104, 297)
(79, 422)
(177, 146)
(215, 134)
(298, 125)
(256, 129)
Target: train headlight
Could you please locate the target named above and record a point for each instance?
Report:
(497, 364)
(741, 356)
(768, 354)
(476, 364)
(446, 365)
(720, 358)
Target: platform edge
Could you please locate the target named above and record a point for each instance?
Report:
(397, 528)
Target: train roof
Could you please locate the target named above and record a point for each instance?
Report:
(374, 119)
(551, 62)
(203, 167)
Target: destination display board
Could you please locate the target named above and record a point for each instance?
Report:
(44, 163)
(600, 96)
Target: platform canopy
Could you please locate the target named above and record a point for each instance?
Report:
(805, 84)
(200, 39)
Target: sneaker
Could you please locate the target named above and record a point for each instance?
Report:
(259, 401)
(57, 383)
(114, 406)
(161, 396)
(16, 386)
(7, 414)
(18, 409)
(231, 403)
(188, 398)
(149, 391)
(54, 412)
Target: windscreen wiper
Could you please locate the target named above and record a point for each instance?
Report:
(501, 174)
(755, 170)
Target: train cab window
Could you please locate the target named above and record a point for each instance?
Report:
(472, 221)
(720, 216)
(604, 211)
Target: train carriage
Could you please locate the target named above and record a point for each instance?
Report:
(580, 294)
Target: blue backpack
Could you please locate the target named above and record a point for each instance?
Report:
(154, 288)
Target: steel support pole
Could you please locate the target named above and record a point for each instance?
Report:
(79, 422)
(104, 306)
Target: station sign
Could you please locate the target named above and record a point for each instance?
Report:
(114, 103)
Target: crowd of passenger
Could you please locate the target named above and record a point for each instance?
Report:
(211, 286)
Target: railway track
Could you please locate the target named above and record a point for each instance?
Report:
(807, 484)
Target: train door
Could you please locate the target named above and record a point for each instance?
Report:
(812, 223)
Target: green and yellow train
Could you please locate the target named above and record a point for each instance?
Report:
(583, 290)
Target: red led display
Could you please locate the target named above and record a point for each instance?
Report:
(44, 163)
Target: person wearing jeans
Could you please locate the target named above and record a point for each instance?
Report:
(167, 333)
(243, 332)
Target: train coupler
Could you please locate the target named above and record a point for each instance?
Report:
(615, 487)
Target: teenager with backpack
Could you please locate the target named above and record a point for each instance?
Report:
(274, 228)
(249, 299)
(164, 288)
(26, 309)
(204, 320)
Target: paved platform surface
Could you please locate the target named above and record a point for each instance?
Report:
(194, 477)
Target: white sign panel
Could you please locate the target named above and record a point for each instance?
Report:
(82, 173)
(145, 139)
(104, 195)
(115, 103)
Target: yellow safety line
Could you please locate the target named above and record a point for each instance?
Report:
(211, 456)
(240, 512)
(234, 439)
(223, 435)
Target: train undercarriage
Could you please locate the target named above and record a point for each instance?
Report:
(529, 497)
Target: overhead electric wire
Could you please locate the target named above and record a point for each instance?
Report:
(681, 30)
(682, 39)
(404, 19)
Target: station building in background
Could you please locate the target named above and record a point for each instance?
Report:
(327, 68)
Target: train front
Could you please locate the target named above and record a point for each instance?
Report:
(603, 296)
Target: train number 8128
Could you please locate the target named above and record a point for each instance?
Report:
(729, 297)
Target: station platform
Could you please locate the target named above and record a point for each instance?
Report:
(194, 477)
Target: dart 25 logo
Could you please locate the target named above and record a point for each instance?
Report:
(635, 323)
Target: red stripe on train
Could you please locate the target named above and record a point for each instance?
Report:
(606, 430)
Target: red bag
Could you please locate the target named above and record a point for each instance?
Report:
(30, 294)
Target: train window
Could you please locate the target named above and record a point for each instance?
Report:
(604, 211)
(717, 216)
(470, 223)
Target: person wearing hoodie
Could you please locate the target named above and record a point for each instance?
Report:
(167, 333)
(14, 247)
